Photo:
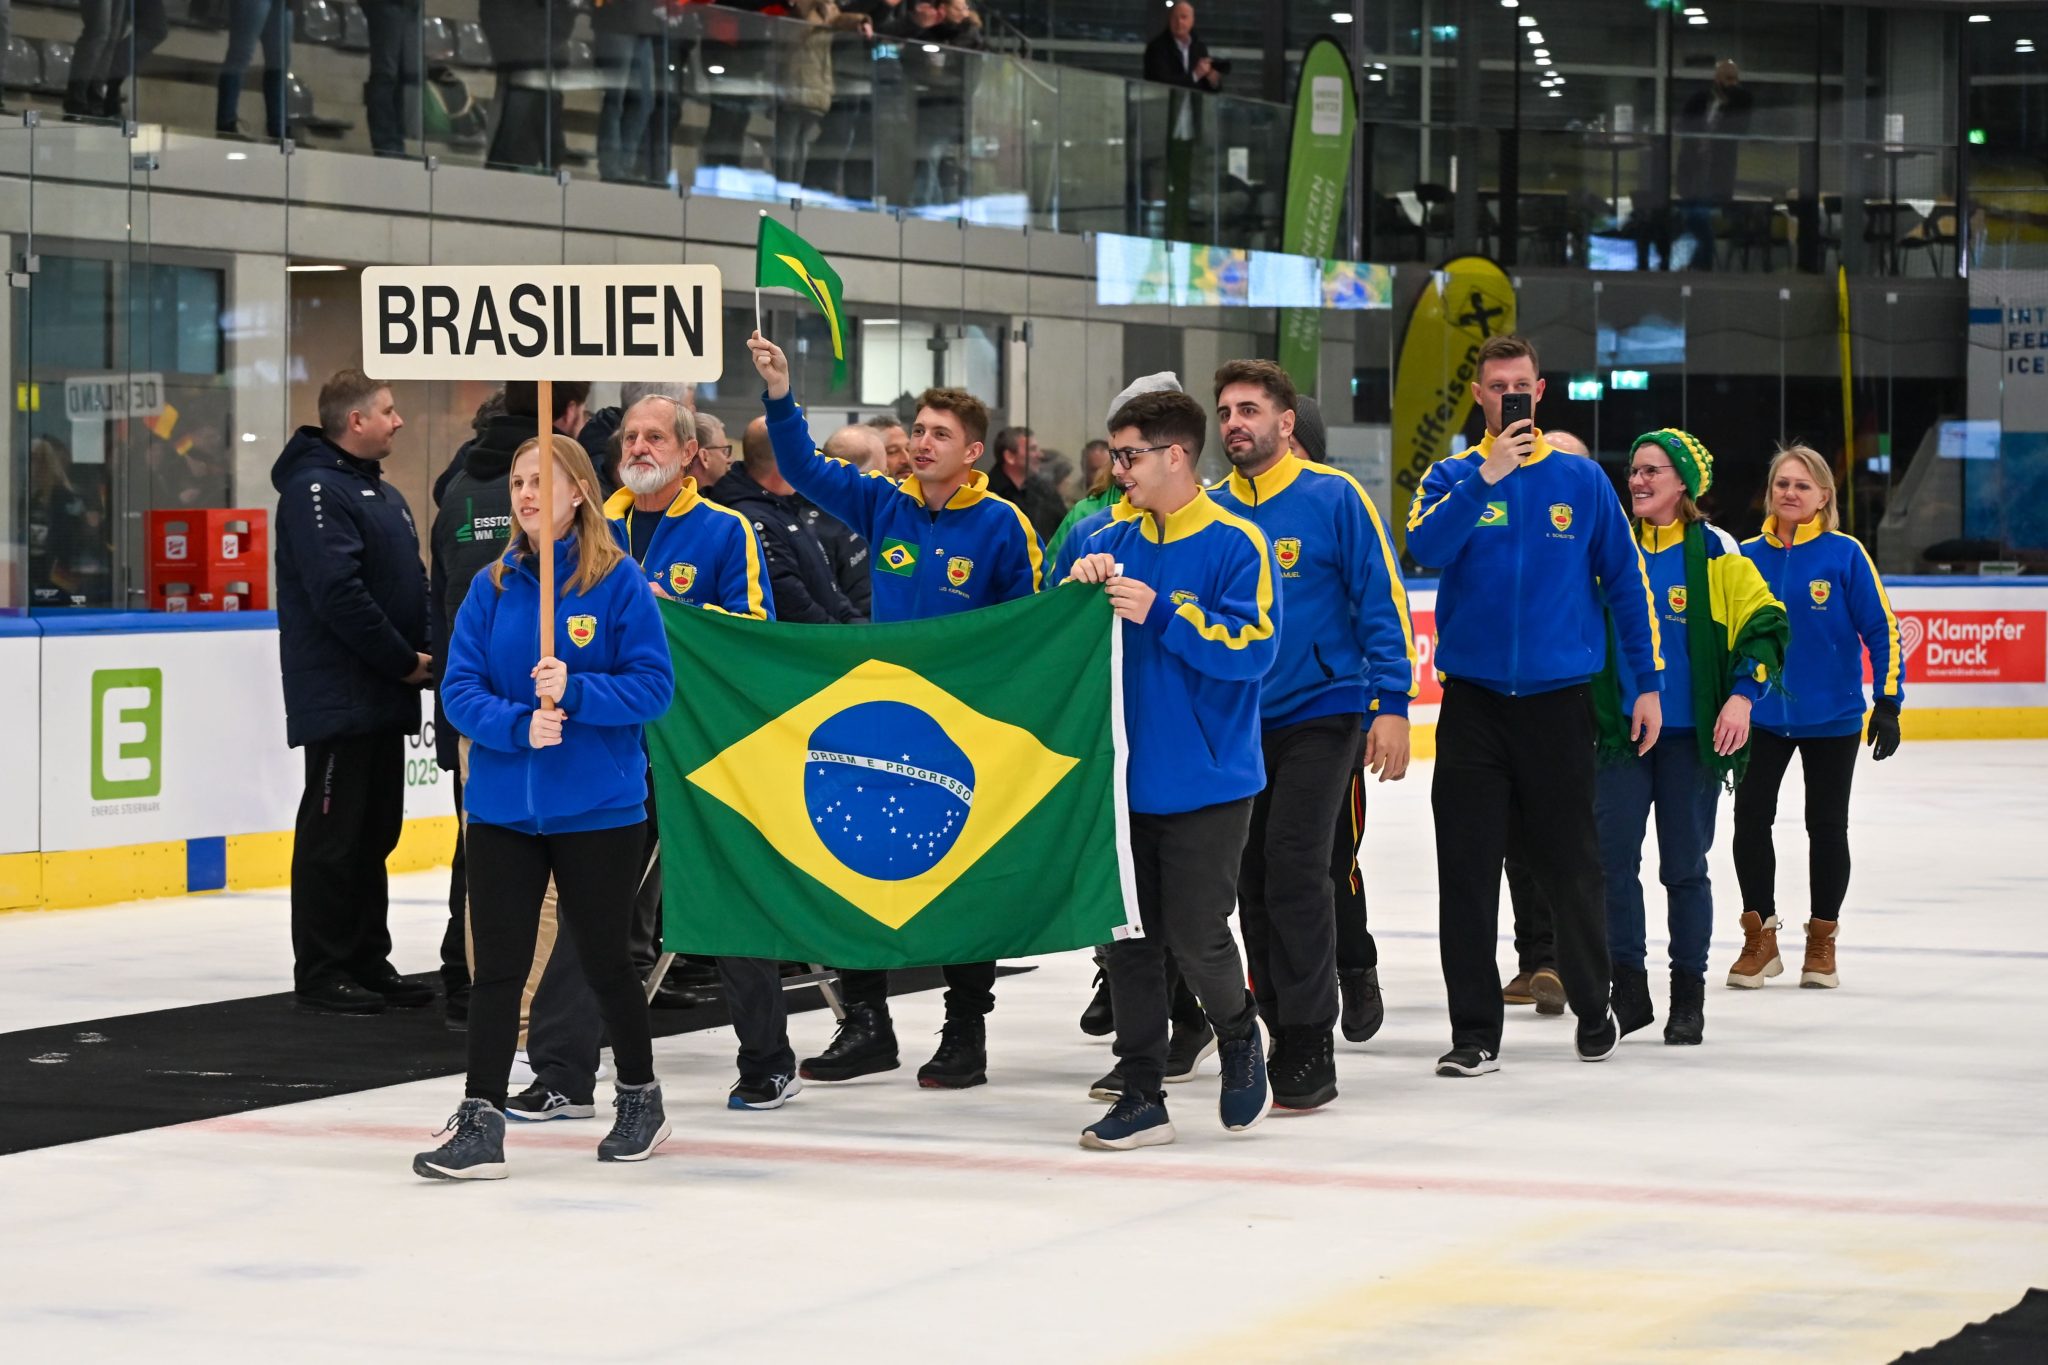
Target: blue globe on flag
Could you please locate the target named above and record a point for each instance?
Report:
(886, 790)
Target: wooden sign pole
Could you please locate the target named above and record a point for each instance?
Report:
(546, 548)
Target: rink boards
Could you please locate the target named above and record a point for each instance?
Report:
(159, 765)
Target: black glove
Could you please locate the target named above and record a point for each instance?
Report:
(1883, 737)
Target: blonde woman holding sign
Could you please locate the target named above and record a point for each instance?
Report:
(557, 787)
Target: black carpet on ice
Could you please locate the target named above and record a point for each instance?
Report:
(75, 1082)
(2018, 1336)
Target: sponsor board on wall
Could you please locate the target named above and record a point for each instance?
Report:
(21, 786)
(156, 736)
(1971, 646)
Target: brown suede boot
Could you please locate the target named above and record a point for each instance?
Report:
(1819, 967)
(1516, 992)
(1759, 952)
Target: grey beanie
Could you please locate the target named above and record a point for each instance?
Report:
(1311, 442)
(1166, 381)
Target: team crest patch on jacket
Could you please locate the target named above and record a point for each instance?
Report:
(1287, 550)
(1819, 590)
(1181, 597)
(1561, 515)
(681, 578)
(1675, 595)
(582, 630)
(958, 571)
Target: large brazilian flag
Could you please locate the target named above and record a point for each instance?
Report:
(896, 795)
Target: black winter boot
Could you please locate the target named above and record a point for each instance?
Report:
(1099, 1019)
(1364, 1011)
(865, 1044)
(1304, 1071)
(1688, 1021)
(1632, 1008)
(962, 1057)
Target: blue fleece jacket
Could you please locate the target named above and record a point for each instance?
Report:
(703, 555)
(1348, 646)
(619, 678)
(1191, 671)
(1663, 550)
(1075, 545)
(975, 551)
(1838, 608)
(1527, 563)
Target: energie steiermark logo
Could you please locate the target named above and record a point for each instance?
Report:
(127, 733)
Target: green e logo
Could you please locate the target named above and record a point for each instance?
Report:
(127, 733)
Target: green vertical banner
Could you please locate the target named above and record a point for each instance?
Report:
(1318, 164)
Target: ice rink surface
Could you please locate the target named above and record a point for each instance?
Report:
(1836, 1175)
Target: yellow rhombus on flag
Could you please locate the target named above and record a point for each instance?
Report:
(785, 259)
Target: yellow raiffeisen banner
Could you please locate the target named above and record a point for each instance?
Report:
(1467, 301)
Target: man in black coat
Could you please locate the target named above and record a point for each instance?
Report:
(353, 637)
(802, 579)
(1178, 57)
(1016, 477)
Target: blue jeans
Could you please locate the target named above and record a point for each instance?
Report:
(267, 21)
(626, 116)
(1670, 778)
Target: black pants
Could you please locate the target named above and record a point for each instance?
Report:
(1356, 950)
(1186, 869)
(392, 93)
(1286, 905)
(970, 989)
(350, 818)
(1500, 758)
(595, 873)
(455, 938)
(1829, 765)
(1535, 945)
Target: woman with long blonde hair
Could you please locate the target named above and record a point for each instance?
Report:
(1838, 609)
(557, 788)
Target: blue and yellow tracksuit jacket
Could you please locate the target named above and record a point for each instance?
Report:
(975, 551)
(1191, 671)
(1838, 608)
(1349, 646)
(619, 678)
(1526, 565)
(703, 555)
(1663, 550)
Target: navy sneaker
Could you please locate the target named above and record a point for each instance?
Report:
(1467, 1061)
(640, 1127)
(1110, 1087)
(1133, 1121)
(1245, 1098)
(762, 1092)
(537, 1102)
(475, 1149)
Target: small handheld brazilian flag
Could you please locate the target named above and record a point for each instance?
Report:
(785, 259)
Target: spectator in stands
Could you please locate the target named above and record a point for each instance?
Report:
(1710, 128)
(529, 42)
(251, 21)
(895, 445)
(391, 95)
(803, 79)
(626, 42)
(107, 52)
(943, 78)
(1015, 476)
(1179, 58)
(353, 639)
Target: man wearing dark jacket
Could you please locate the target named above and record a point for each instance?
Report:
(1016, 477)
(1178, 57)
(799, 573)
(353, 637)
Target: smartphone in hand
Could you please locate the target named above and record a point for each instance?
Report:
(1515, 407)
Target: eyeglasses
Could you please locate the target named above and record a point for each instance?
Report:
(1648, 471)
(1122, 456)
(727, 448)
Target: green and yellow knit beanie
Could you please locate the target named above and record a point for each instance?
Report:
(1689, 456)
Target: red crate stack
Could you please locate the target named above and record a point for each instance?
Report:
(209, 559)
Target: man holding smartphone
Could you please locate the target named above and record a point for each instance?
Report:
(1532, 548)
